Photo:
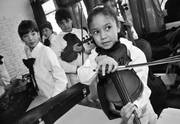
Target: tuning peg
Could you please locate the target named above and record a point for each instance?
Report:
(126, 8)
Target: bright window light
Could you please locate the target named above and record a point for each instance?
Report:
(84, 9)
(49, 10)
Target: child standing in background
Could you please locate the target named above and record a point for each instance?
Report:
(48, 35)
(71, 50)
(104, 27)
(69, 46)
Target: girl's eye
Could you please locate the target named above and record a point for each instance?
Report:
(107, 28)
(95, 32)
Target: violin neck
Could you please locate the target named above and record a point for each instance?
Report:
(121, 88)
(136, 119)
(123, 93)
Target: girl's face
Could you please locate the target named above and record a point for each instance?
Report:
(104, 30)
(47, 32)
(31, 39)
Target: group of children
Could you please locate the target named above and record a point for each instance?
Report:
(54, 74)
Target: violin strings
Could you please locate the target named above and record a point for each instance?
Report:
(123, 92)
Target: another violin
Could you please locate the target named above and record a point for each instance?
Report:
(68, 53)
(123, 9)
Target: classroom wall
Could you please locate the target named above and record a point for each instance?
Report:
(11, 47)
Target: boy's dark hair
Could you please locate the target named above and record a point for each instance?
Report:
(104, 1)
(46, 24)
(102, 10)
(26, 26)
(62, 14)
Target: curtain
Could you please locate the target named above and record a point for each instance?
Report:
(38, 12)
(147, 16)
(90, 4)
(65, 3)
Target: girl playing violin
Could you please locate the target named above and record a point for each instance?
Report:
(104, 27)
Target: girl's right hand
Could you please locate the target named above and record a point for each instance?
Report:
(106, 64)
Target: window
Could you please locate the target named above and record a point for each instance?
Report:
(49, 10)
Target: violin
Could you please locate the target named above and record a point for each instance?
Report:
(123, 9)
(120, 86)
(68, 53)
(124, 85)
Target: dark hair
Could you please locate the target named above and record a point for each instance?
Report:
(104, 1)
(62, 14)
(102, 10)
(27, 26)
(46, 25)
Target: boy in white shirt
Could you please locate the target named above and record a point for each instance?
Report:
(49, 75)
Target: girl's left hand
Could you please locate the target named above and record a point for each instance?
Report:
(127, 113)
(106, 64)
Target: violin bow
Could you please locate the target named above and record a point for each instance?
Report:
(172, 59)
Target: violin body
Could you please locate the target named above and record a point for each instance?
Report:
(132, 83)
(119, 87)
(68, 53)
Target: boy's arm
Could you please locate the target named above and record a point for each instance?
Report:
(68, 68)
(87, 72)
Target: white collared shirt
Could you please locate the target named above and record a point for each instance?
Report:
(49, 75)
